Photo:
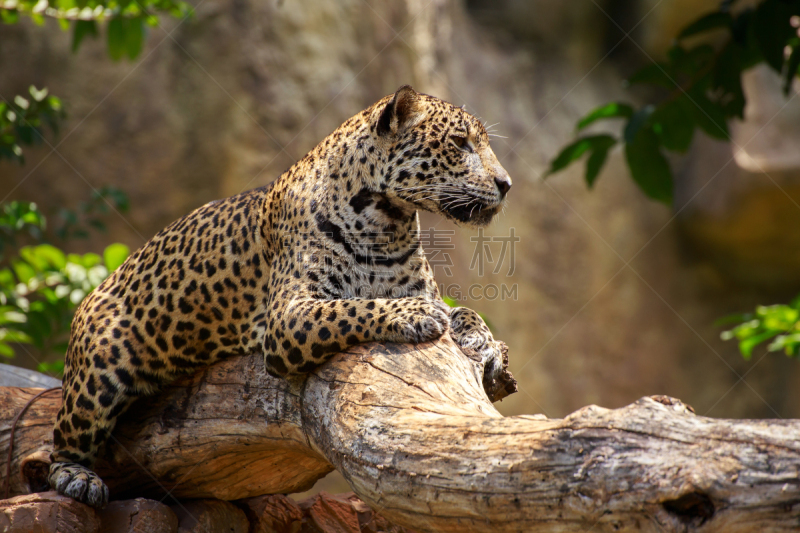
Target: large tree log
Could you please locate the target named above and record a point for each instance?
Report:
(412, 430)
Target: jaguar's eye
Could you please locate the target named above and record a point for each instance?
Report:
(462, 143)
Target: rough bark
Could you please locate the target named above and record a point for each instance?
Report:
(412, 430)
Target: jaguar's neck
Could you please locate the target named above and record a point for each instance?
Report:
(370, 223)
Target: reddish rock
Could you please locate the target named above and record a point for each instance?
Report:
(47, 512)
(330, 513)
(129, 516)
(210, 516)
(343, 513)
(274, 513)
(323, 513)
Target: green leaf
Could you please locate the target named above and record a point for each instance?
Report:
(38, 328)
(134, 36)
(82, 29)
(747, 345)
(9, 16)
(7, 280)
(449, 301)
(790, 344)
(116, 35)
(691, 61)
(97, 224)
(707, 22)
(33, 218)
(779, 321)
(636, 122)
(23, 271)
(772, 30)
(649, 168)
(570, 153)
(610, 110)
(50, 255)
(118, 198)
(595, 162)
(6, 350)
(727, 80)
(654, 74)
(708, 115)
(89, 260)
(19, 337)
(61, 347)
(55, 368)
(38, 95)
(575, 150)
(114, 255)
(12, 317)
(744, 34)
(674, 125)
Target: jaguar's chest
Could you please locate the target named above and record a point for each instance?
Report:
(361, 274)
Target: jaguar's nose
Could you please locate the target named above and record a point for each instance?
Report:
(503, 183)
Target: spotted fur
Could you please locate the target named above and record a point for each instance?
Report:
(326, 257)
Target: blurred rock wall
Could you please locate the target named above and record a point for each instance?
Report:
(615, 298)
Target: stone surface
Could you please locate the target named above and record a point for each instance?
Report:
(325, 512)
(322, 513)
(14, 376)
(139, 515)
(47, 512)
(344, 513)
(212, 516)
(274, 513)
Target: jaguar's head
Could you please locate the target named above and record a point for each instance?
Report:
(436, 157)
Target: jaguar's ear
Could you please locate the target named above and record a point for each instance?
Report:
(402, 111)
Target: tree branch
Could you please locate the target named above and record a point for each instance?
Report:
(411, 429)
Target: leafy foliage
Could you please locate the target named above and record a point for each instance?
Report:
(781, 323)
(22, 222)
(17, 220)
(77, 223)
(127, 19)
(41, 285)
(701, 88)
(23, 120)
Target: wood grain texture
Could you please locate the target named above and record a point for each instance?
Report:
(412, 430)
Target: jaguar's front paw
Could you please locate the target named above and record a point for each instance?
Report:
(476, 341)
(425, 322)
(79, 483)
(473, 336)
